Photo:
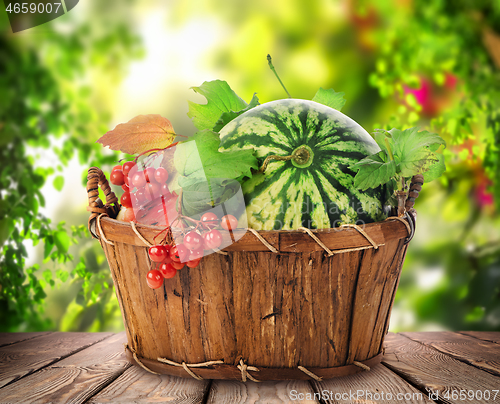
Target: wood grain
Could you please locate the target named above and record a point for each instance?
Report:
(74, 379)
(492, 336)
(434, 371)
(14, 337)
(23, 358)
(137, 386)
(232, 392)
(377, 278)
(482, 354)
(379, 385)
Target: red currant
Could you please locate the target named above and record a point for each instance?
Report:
(150, 174)
(167, 260)
(193, 263)
(165, 191)
(117, 177)
(229, 222)
(177, 265)
(167, 270)
(153, 190)
(161, 175)
(193, 240)
(210, 218)
(127, 166)
(129, 215)
(126, 200)
(118, 167)
(195, 254)
(154, 279)
(212, 239)
(142, 196)
(158, 253)
(138, 180)
(179, 253)
(125, 187)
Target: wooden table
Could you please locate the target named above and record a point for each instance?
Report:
(418, 367)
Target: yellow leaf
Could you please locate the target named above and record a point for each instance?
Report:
(140, 134)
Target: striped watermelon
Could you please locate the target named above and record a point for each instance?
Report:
(314, 189)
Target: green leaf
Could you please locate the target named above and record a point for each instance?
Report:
(200, 196)
(220, 99)
(227, 117)
(411, 140)
(435, 170)
(6, 228)
(330, 98)
(61, 240)
(200, 158)
(187, 158)
(47, 247)
(373, 171)
(62, 275)
(415, 150)
(58, 182)
(47, 275)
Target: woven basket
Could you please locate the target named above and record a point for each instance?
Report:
(275, 305)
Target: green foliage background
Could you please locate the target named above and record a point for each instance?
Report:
(400, 63)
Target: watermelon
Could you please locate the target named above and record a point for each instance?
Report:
(312, 185)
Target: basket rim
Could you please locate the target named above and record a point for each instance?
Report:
(284, 241)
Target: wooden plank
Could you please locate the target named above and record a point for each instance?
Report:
(233, 392)
(481, 354)
(74, 379)
(137, 386)
(492, 336)
(23, 358)
(379, 385)
(9, 338)
(440, 375)
(378, 276)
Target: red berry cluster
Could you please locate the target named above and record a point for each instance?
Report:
(172, 258)
(141, 187)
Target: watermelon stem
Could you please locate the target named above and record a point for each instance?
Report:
(301, 156)
(276, 74)
(269, 158)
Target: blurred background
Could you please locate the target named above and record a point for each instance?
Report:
(435, 64)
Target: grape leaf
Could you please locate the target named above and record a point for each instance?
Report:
(403, 154)
(226, 117)
(415, 150)
(330, 98)
(211, 163)
(220, 99)
(410, 141)
(198, 196)
(373, 171)
(187, 159)
(436, 169)
(142, 133)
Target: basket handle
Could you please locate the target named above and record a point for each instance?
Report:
(96, 179)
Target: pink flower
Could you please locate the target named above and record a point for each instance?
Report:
(482, 196)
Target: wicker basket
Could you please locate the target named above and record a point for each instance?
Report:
(275, 305)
